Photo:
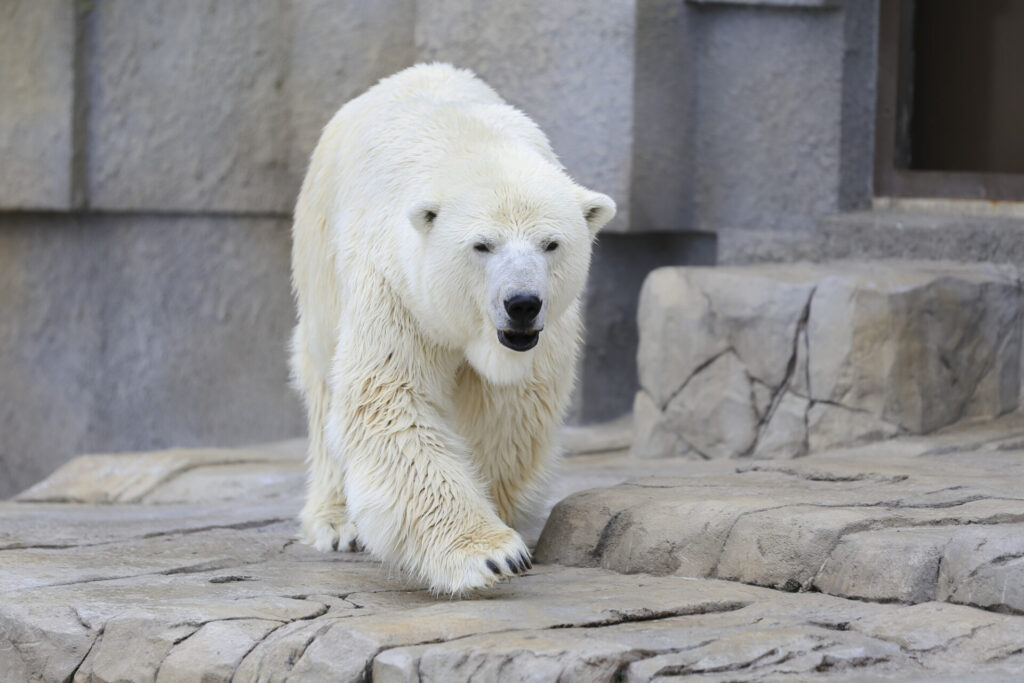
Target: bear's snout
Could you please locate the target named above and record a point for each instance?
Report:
(522, 310)
(525, 321)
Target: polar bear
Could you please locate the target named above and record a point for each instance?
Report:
(439, 253)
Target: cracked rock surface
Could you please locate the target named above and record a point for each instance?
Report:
(776, 361)
(911, 520)
(899, 560)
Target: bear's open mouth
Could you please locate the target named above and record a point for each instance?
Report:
(519, 341)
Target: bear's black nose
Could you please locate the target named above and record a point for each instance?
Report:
(522, 308)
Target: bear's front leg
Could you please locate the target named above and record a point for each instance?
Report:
(411, 490)
(512, 436)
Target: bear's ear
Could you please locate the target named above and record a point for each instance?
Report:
(422, 215)
(598, 209)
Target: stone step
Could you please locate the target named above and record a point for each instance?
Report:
(775, 361)
(952, 230)
(912, 520)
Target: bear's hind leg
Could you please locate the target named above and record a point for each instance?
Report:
(325, 522)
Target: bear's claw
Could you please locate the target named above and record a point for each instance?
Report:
(518, 565)
(339, 535)
(354, 546)
(481, 567)
(514, 566)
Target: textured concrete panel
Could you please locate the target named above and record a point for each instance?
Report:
(337, 51)
(36, 96)
(664, 117)
(860, 78)
(203, 105)
(569, 65)
(51, 335)
(126, 333)
(186, 106)
(769, 108)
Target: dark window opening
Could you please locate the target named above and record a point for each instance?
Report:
(950, 117)
(968, 90)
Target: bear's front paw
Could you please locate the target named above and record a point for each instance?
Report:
(481, 561)
(337, 535)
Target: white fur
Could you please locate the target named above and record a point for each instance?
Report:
(429, 438)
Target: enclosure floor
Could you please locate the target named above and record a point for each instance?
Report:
(902, 559)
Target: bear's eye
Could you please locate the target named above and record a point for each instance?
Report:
(552, 245)
(482, 247)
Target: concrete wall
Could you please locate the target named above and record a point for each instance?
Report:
(753, 115)
(124, 332)
(168, 140)
(151, 308)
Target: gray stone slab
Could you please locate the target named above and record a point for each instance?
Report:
(239, 482)
(172, 552)
(615, 435)
(46, 526)
(867, 331)
(218, 107)
(37, 81)
(984, 567)
(631, 652)
(690, 316)
(900, 565)
(568, 67)
(893, 522)
(214, 650)
(132, 477)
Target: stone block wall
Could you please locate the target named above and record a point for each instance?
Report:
(150, 155)
(711, 122)
(151, 306)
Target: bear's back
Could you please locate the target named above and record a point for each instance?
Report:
(397, 133)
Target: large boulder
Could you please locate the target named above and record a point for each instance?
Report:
(774, 361)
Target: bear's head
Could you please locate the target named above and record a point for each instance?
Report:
(503, 253)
